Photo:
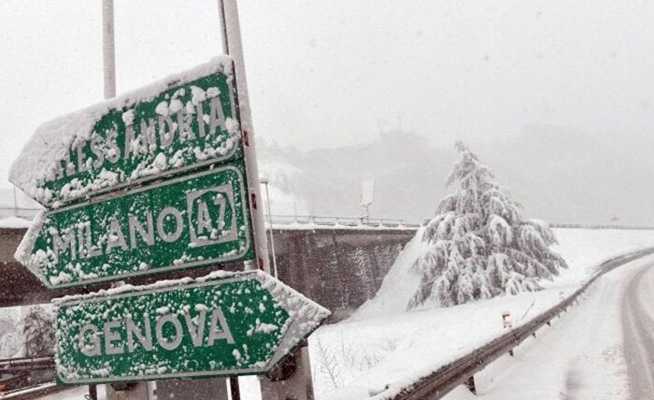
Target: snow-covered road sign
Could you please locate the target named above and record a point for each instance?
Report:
(178, 124)
(195, 220)
(225, 324)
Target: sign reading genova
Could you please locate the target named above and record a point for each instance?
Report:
(226, 324)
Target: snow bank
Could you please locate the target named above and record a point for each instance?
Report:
(583, 249)
(399, 284)
(382, 348)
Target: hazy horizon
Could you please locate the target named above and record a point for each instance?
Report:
(334, 74)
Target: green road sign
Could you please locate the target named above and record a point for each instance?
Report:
(176, 125)
(228, 324)
(195, 220)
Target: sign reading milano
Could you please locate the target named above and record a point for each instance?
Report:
(153, 181)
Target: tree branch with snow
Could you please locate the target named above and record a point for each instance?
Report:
(480, 246)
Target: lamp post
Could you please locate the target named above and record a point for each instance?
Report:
(264, 181)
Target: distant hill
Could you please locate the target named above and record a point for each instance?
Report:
(409, 176)
(557, 173)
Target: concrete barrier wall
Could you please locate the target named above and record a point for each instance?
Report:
(338, 268)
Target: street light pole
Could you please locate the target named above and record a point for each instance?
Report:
(299, 385)
(108, 49)
(233, 46)
(266, 183)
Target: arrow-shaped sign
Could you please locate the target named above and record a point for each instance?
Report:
(199, 219)
(223, 324)
(180, 123)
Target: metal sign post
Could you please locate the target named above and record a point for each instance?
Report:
(299, 386)
(233, 47)
(108, 49)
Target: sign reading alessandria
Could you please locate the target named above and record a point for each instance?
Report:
(183, 122)
(195, 220)
(242, 323)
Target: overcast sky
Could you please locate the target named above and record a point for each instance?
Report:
(328, 73)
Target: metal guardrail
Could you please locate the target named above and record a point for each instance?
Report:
(26, 364)
(33, 392)
(601, 226)
(448, 377)
(362, 222)
(349, 221)
(346, 222)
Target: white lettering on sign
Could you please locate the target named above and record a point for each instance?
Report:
(146, 137)
(206, 224)
(170, 330)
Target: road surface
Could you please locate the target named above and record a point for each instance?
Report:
(603, 348)
(638, 324)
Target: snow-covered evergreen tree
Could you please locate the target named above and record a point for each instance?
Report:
(479, 244)
(39, 332)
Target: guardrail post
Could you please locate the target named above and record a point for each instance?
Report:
(470, 384)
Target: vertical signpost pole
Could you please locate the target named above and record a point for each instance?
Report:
(108, 49)
(233, 46)
(109, 78)
(109, 74)
(299, 386)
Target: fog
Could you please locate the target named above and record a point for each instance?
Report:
(338, 73)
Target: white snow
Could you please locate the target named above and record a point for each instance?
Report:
(382, 348)
(53, 139)
(383, 345)
(583, 352)
(14, 223)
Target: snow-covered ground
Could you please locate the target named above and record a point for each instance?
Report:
(382, 345)
(10, 344)
(583, 351)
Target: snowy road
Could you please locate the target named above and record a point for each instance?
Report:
(603, 348)
(638, 306)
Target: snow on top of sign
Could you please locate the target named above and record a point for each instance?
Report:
(302, 317)
(305, 310)
(52, 140)
(128, 288)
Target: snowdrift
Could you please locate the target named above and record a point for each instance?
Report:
(583, 249)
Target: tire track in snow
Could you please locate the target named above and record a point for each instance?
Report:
(638, 329)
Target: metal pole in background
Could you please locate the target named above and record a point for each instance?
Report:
(266, 182)
(108, 49)
(140, 390)
(233, 46)
(299, 385)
